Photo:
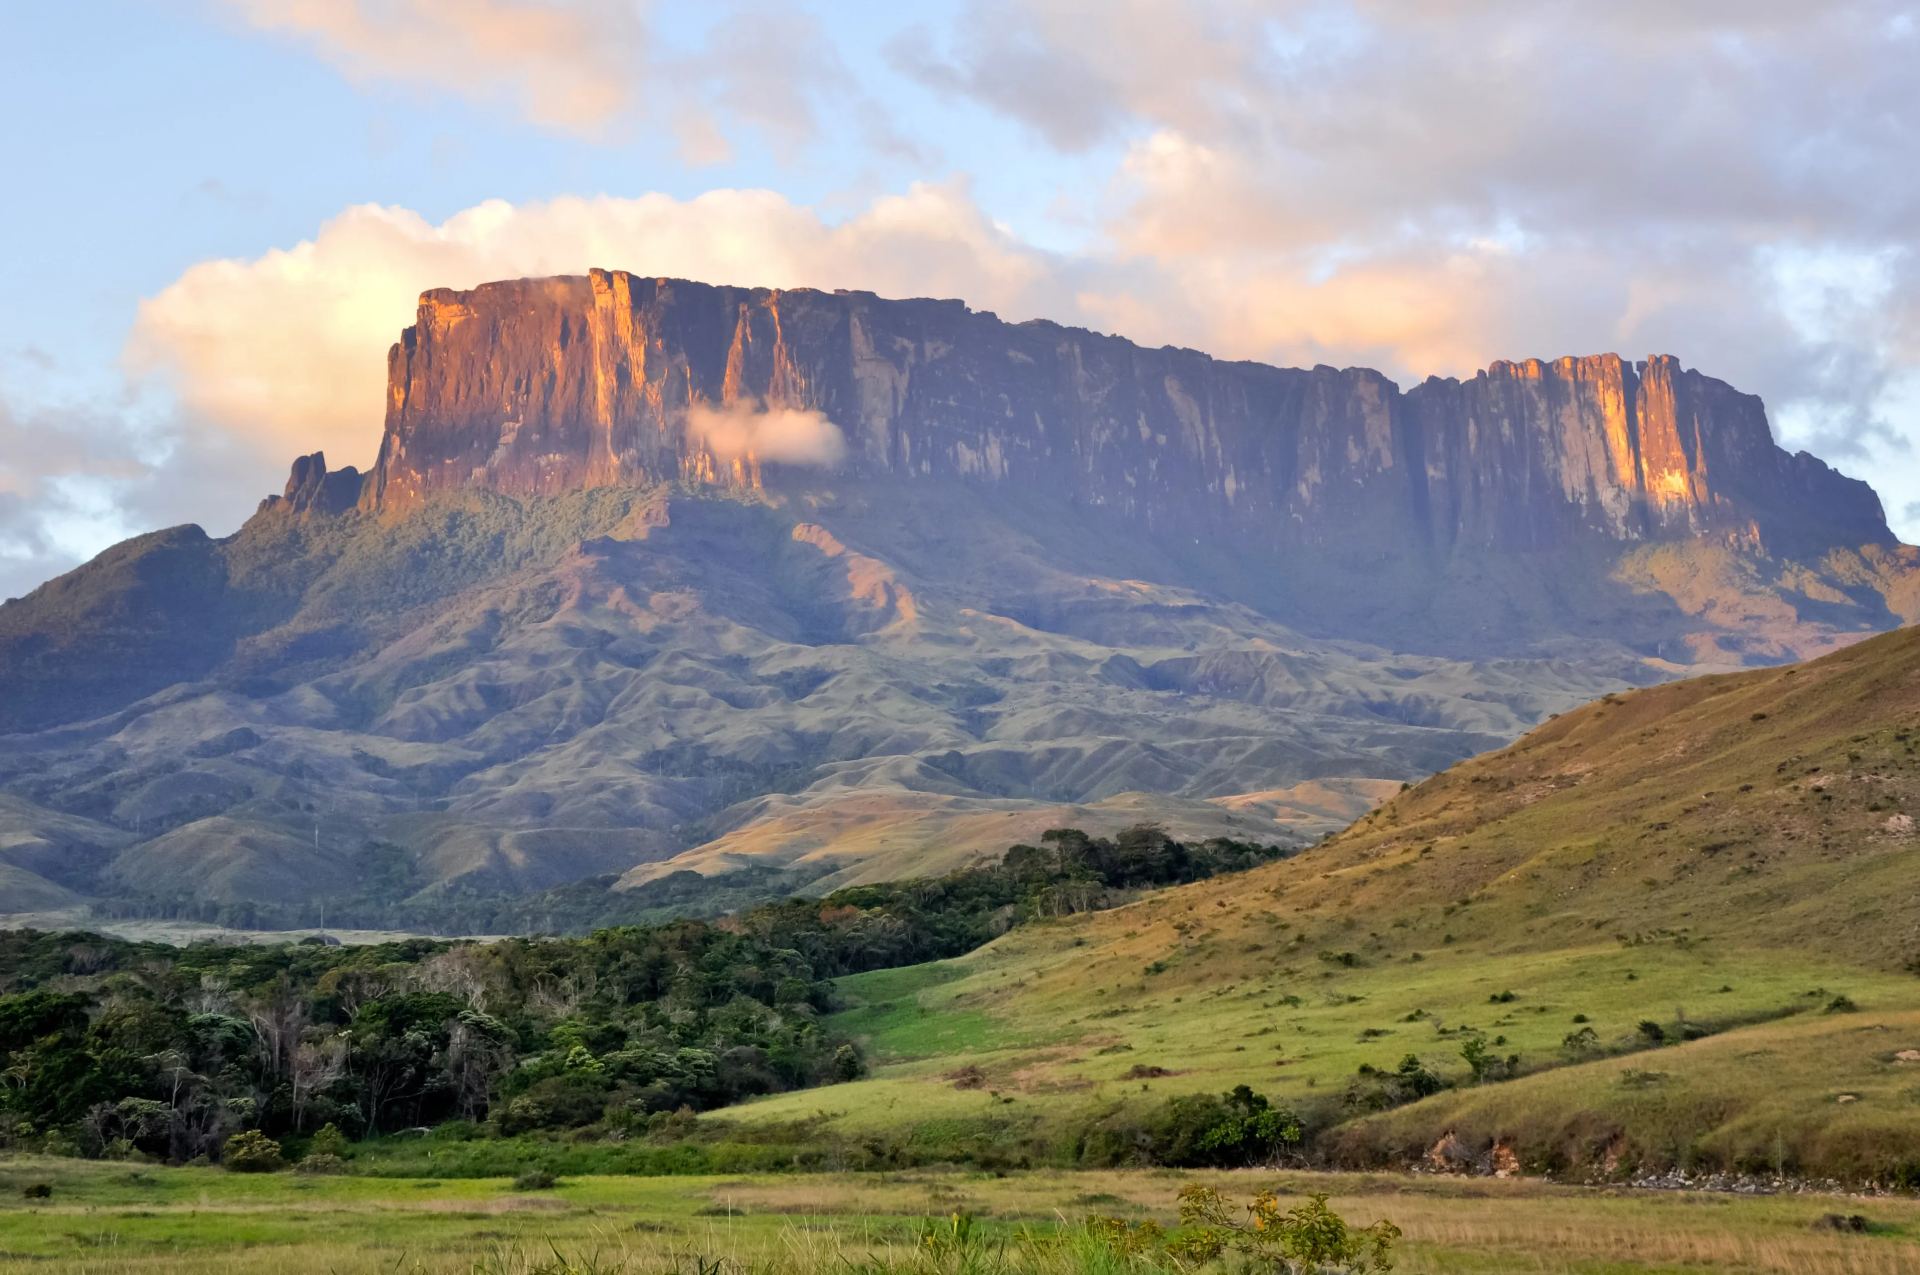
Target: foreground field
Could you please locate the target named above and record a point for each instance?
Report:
(110, 1218)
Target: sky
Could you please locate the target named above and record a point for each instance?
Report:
(220, 213)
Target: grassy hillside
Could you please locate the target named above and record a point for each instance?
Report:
(1703, 889)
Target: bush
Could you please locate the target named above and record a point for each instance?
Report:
(1308, 1237)
(1373, 1089)
(1229, 1131)
(37, 1190)
(535, 1180)
(1488, 1067)
(252, 1151)
(320, 1162)
(329, 1141)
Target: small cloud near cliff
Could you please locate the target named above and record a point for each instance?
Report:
(785, 435)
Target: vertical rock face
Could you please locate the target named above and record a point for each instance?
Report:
(542, 385)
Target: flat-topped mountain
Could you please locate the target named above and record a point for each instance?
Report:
(651, 574)
(540, 386)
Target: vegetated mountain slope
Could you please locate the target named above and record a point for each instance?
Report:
(1699, 856)
(669, 666)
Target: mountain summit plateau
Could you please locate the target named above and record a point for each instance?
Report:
(541, 386)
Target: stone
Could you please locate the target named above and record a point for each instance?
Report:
(313, 490)
(539, 386)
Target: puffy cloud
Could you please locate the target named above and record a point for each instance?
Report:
(572, 64)
(588, 67)
(289, 348)
(785, 435)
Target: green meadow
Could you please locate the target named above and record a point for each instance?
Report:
(108, 1218)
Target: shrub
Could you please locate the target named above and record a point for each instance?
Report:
(1652, 1033)
(1375, 1089)
(1227, 1131)
(251, 1151)
(535, 1180)
(1488, 1067)
(329, 1141)
(1126, 1240)
(319, 1162)
(37, 1190)
(1309, 1237)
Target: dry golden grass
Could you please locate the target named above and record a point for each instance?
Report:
(816, 1225)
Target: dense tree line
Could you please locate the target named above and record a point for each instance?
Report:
(111, 1045)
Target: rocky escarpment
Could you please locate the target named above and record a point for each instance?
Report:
(538, 386)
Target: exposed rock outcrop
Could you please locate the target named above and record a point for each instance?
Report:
(313, 490)
(538, 386)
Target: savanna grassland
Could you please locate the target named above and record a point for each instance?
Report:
(1674, 929)
(109, 1218)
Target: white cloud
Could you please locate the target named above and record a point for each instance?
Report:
(575, 65)
(755, 431)
(593, 68)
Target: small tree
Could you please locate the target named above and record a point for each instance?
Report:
(251, 1151)
(1307, 1239)
(329, 1141)
(1487, 1067)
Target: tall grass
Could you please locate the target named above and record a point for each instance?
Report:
(102, 1220)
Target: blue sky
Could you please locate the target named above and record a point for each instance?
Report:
(221, 209)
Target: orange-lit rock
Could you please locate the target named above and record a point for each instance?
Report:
(538, 386)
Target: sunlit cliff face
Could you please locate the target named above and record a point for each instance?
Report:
(540, 386)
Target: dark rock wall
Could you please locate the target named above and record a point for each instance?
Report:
(539, 386)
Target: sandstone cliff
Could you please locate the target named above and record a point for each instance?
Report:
(539, 386)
